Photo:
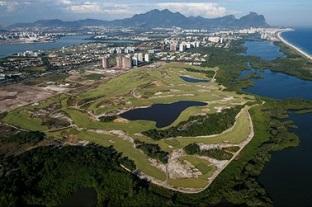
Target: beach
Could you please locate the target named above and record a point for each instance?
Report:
(293, 46)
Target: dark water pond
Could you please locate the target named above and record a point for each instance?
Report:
(263, 49)
(193, 80)
(84, 197)
(162, 114)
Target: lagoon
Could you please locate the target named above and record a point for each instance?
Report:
(10, 49)
(287, 177)
(263, 49)
(278, 85)
(162, 114)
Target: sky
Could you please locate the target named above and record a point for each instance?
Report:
(277, 12)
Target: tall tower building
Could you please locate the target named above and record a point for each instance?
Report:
(105, 63)
(119, 61)
(119, 50)
(146, 57)
(173, 46)
(135, 60)
(181, 47)
(140, 57)
(126, 62)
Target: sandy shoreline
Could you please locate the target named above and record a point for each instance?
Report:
(293, 46)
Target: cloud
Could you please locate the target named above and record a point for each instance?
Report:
(195, 9)
(106, 9)
(85, 8)
(10, 6)
(115, 9)
(78, 6)
(30, 10)
(118, 10)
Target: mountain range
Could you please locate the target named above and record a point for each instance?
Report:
(154, 18)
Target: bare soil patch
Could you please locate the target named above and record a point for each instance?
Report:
(17, 95)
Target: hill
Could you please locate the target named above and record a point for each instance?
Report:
(154, 18)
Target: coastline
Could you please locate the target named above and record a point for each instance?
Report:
(25, 42)
(303, 53)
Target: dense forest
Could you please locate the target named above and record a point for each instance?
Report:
(216, 153)
(153, 151)
(198, 125)
(47, 176)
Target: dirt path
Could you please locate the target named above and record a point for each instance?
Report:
(241, 145)
(220, 168)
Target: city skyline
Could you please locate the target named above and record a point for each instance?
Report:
(295, 13)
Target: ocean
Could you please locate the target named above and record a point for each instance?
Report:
(300, 37)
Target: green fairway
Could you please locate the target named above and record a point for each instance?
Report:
(141, 88)
(202, 165)
(126, 147)
(22, 119)
(239, 133)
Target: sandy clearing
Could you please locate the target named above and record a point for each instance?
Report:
(14, 96)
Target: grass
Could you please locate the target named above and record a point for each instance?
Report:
(38, 69)
(137, 88)
(127, 149)
(186, 114)
(22, 119)
(204, 166)
(239, 133)
(94, 76)
(83, 120)
(147, 83)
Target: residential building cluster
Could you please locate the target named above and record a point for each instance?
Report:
(17, 68)
(192, 58)
(18, 64)
(164, 44)
(77, 55)
(125, 61)
(28, 37)
(180, 44)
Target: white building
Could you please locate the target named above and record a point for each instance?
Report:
(181, 47)
(119, 50)
(151, 51)
(140, 57)
(105, 62)
(129, 49)
(214, 39)
(2, 76)
(112, 50)
(146, 57)
(135, 61)
(173, 46)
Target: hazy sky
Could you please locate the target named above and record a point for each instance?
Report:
(277, 12)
